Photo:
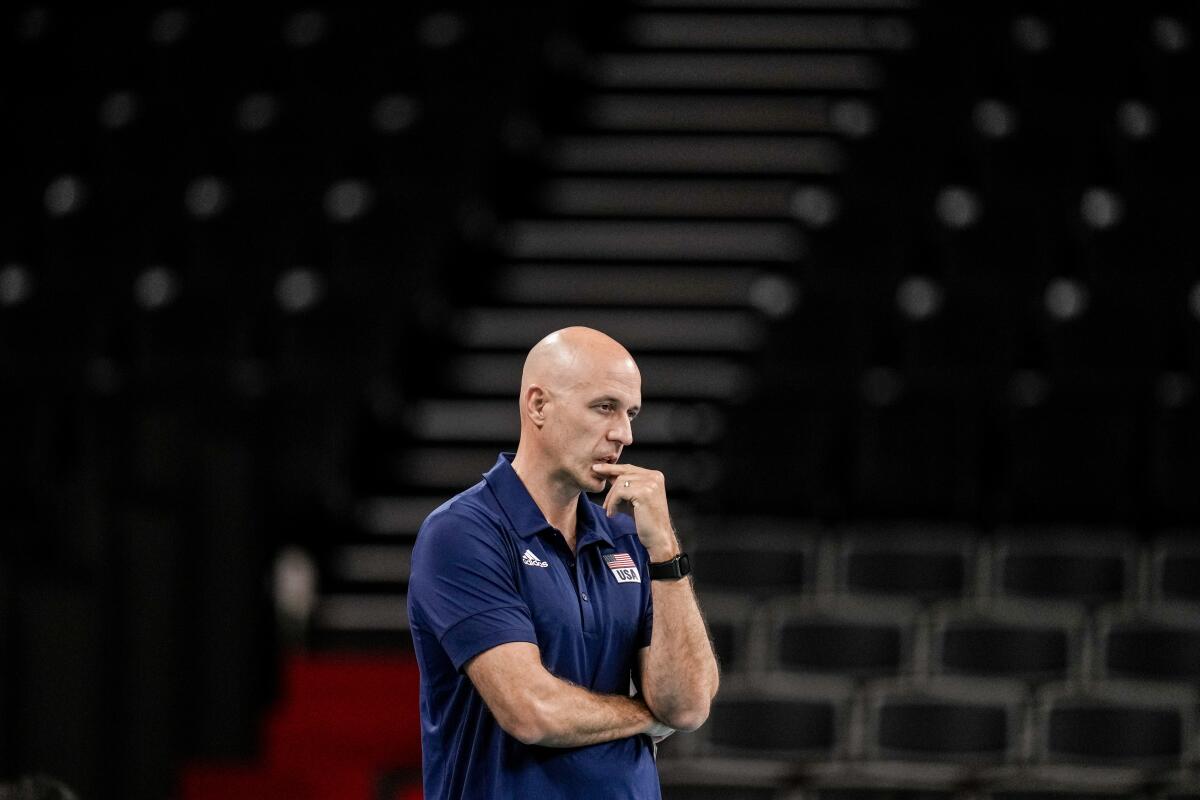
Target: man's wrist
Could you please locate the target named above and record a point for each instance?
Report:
(664, 552)
(665, 547)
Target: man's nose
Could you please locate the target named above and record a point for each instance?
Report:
(622, 431)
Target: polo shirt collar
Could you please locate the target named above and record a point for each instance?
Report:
(525, 516)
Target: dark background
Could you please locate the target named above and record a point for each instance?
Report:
(913, 288)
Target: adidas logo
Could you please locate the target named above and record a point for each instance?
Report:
(533, 561)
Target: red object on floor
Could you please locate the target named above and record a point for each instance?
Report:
(342, 721)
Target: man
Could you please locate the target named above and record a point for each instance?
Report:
(532, 608)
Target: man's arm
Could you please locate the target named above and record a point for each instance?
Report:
(678, 670)
(679, 675)
(536, 707)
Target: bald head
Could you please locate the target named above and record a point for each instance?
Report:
(580, 391)
(573, 356)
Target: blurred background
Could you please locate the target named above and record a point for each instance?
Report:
(913, 287)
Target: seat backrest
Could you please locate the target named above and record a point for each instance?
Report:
(1053, 564)
(1030, 641)
(858, 637)
(1116, 723)
(944, 720)
(920, 562)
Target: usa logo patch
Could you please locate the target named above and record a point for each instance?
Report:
(623, 568)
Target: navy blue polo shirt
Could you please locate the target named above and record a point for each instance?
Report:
(488, 569)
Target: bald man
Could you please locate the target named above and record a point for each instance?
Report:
(533, 609)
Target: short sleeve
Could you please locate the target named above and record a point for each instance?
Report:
(646, 623)
(462, 587)
(646, 629)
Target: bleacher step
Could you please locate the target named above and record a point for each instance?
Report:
(752, 71)
(691, 376)
(697, 154)
(679, 330)
(654, 240)
(669, 197)
(710, 113)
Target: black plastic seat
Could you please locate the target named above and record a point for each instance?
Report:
(778, 716)
(774, 725)
(922, 563)
(1123, 724)
(1100, 733)
(953, 721)
(1156, 653)
(1055, 564)
(850, 636)
(1024, 641)
(1161, 643)
(743, 559)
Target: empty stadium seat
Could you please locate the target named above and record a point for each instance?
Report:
(1115, 723)
(1155, 643)
(755, 557)
(1087, 566)
(848, 636)
(779, 716)
(1022, 640)
(958, 720)
(925, 562)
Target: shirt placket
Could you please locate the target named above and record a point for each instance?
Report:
(572, 562)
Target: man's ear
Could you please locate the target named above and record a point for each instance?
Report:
(536, 399)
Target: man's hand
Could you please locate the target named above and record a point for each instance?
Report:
(536, 707)
(645, 491)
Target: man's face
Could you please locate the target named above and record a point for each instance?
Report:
(590, 421)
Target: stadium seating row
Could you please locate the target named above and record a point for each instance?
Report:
(788, 717)
(1035, 642)
(761, 558)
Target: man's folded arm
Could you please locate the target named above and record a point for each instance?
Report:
(536, 707)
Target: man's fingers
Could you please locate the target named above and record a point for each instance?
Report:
(617, 494)
(611, 499)
(614, 469)
(618, 491)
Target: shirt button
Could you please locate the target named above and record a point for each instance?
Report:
(584, 596)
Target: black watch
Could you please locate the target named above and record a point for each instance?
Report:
(678, 567)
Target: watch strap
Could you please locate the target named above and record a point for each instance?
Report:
(678, 567)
